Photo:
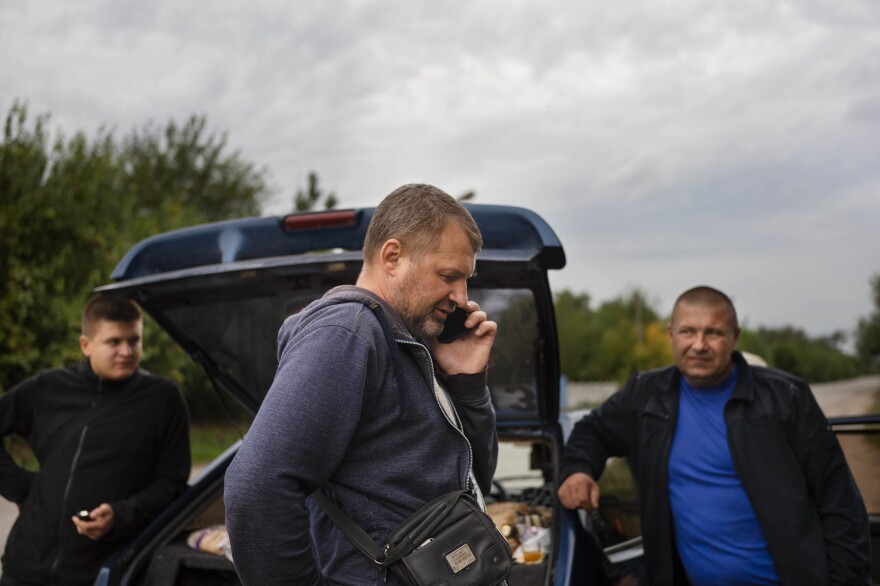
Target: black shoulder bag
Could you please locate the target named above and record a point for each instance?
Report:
(449, 541)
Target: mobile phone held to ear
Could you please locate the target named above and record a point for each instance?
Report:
(454, 328)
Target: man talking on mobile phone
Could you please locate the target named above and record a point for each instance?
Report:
(357, 405)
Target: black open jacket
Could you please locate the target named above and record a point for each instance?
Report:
(125, 443)
(790, 464)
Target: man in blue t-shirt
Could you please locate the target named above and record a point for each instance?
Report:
(740, 480)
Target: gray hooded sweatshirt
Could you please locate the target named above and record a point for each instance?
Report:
(348, 417)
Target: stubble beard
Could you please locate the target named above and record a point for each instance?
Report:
(404, 300)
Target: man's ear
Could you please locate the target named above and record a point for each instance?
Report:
(84, 345)
(390, 255)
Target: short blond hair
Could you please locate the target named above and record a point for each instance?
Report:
(707, 296)
(416, 214)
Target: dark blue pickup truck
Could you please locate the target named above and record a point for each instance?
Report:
(222, 291)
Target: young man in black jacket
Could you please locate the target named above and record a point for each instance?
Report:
(112, 442)
(740, 479)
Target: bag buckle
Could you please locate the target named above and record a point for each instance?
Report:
(384, 567)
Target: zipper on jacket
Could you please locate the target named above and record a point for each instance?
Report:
(69, 484)
(459, 428)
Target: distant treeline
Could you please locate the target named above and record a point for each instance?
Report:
(627, 334)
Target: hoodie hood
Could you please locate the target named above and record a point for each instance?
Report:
(344, 294)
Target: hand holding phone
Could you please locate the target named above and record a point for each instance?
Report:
(454, 327)
(94, 523)
(469, 355)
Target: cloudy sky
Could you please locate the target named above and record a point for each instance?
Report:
(669, 143)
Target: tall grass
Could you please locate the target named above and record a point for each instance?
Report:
(209, 440)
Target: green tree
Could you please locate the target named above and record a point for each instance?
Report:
(72, 206)
(751, 341)
(306, 199)
(654, 350)
(622, 336)
(58, 224)
(867, 340)
(818, 359)
(622, 324)
(572, 326)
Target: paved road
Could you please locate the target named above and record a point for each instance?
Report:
(856, 396)
(8, 514)
(850, 397)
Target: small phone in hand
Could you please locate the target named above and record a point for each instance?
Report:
(454, 327)
(84, 516)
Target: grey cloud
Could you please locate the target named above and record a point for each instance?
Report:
(662, 142)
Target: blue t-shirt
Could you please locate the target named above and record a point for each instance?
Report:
(716, 530)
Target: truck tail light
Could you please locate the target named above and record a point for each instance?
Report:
(313, 220)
